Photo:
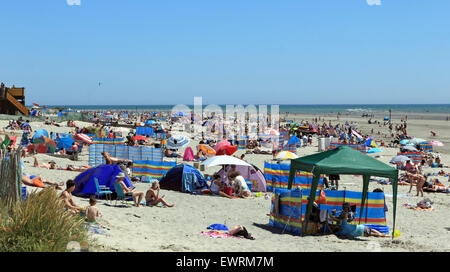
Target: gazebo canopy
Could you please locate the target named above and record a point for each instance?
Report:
(346, 161)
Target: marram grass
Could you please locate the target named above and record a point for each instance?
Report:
(39, 224)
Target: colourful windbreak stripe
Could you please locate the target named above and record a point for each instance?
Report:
(293, 206)
(359, 147)
(416, 157)
(242, 142)
(153, 169)
(107, 141)
(373, 208)
(426, 147)
(277, 176)
(290, 148)
(123, 152)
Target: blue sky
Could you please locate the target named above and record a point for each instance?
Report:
(229, 52)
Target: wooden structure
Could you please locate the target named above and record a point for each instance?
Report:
(12, 101)
(10, 175)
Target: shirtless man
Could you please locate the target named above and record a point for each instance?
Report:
(66, 196)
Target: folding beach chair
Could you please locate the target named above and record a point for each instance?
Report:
(120, 194)
(102, 190)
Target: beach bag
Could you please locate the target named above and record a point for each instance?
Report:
(322, 198)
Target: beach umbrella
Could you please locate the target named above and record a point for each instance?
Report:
(416, 141)
(223, 160)
(176, 142)
(220, 144)
(207, 149)
(84, 138)
(226, 150)
(399, 159)
(272, 132)
(409, 148)
(374, 150)
(436, 143)
(140, 138)
(285, 155)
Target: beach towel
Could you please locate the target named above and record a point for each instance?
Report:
(188, 154)
(414, 207)
(218, 234)
(219, 227)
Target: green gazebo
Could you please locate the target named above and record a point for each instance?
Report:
(346, 161)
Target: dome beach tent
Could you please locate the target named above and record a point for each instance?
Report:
(183, 178)
(251, 173)
(346, 161)
(105, 174)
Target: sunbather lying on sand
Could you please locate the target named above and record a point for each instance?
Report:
(38, 181)
(54, 166)
(111, 160)
(351, 231)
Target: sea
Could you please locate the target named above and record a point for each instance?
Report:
(346, 109)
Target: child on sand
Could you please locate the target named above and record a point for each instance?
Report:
(92, 211)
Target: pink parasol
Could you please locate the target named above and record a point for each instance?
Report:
(436, 143)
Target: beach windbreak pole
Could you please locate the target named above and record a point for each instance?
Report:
(345, 161)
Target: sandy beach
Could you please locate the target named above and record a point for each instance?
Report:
(178, 229)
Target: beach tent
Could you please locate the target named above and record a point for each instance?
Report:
(65, 142)
(292, 144)
(105, 174)
(183, 178)
(40, 132)
(346, 161)
(250, 173)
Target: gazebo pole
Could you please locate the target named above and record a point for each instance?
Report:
(312, 196)
(366, 179)
(394, 192)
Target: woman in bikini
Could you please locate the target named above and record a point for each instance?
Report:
(152, 196)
